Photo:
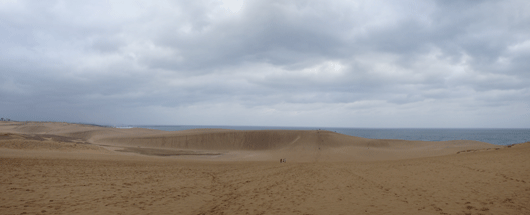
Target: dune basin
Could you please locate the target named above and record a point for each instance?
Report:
(62, 168)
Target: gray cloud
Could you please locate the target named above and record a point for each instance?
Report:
(292, 63)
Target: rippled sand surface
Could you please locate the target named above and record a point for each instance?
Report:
(59, 168)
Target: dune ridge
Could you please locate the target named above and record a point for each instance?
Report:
(297, 145)
(213, 140)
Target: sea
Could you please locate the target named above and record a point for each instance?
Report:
(498, 136)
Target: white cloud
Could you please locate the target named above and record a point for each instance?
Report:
(233, 6)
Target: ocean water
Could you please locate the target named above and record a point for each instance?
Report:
(494, 136)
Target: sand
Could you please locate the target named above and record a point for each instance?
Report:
(61, 168)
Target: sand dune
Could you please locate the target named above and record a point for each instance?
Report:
(298, 146)
(265, 145)
(60, 168)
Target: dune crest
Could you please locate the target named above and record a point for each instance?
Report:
(298, 145)
(261, 145)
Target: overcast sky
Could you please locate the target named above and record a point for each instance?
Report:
(436, 64)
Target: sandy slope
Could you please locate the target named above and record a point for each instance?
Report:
(269, 145)
(59, 168)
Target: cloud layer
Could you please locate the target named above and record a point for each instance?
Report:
(280, 63)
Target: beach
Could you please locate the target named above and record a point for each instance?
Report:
(62, 168)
